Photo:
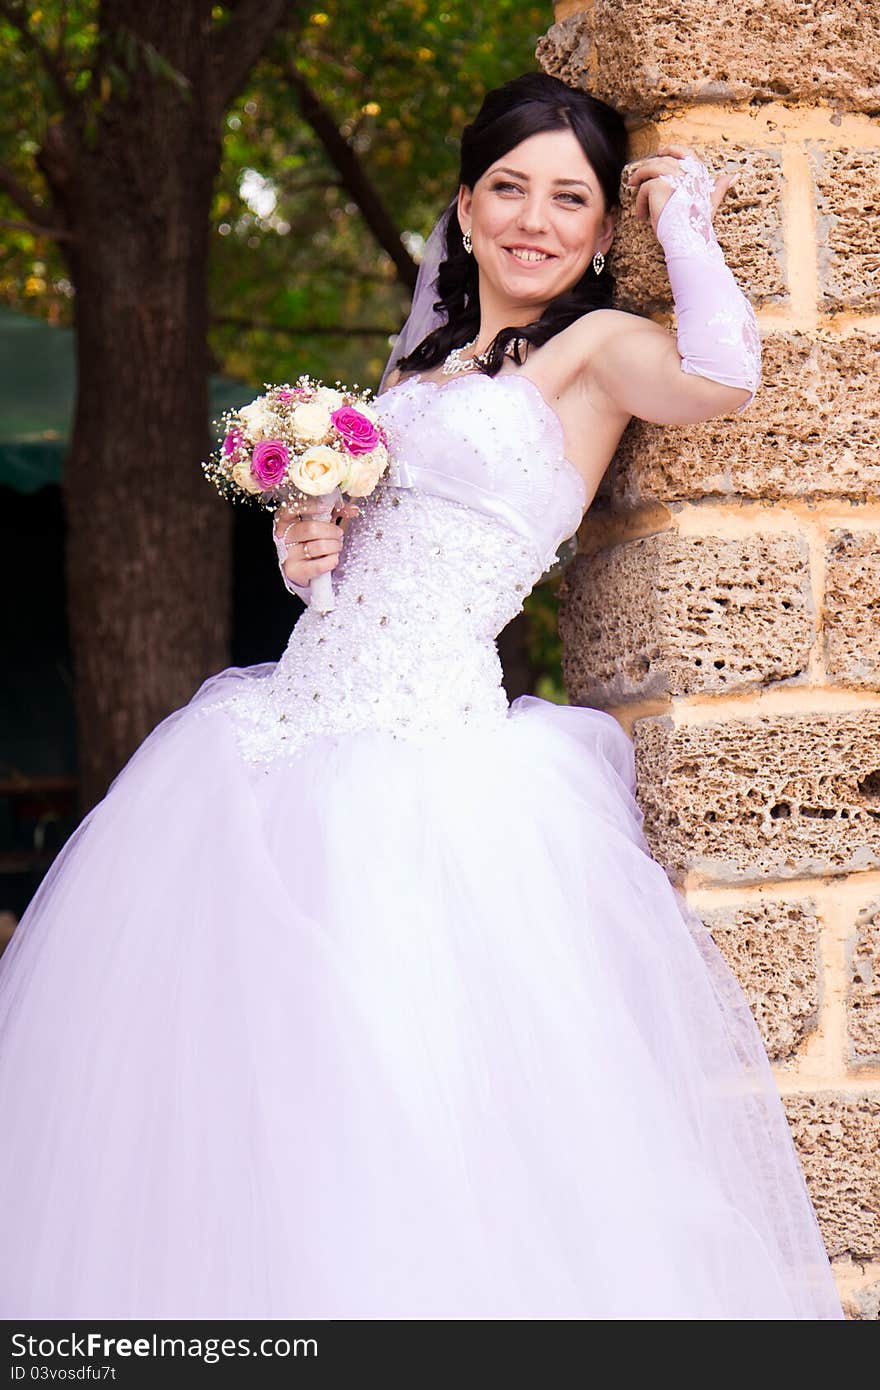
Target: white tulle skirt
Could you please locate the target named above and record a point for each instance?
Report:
(393, 1030)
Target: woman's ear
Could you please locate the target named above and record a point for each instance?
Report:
(609, 227)
(465, 200)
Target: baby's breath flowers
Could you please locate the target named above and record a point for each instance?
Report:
(305, 440)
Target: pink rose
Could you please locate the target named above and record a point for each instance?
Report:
(233, 442)
(269, 463)
(359, 435)
(284, 396)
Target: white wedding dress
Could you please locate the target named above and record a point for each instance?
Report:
(360, 995)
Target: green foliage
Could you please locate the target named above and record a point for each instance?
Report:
(544, 645)
(31, 269)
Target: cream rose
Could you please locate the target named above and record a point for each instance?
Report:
(319, 470)
(329, 398)
(310, 420)
(365, 470)
(242, 474)
(259, 422)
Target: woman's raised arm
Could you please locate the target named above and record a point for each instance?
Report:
(713, 366)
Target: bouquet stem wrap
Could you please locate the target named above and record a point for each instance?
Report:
(321, 587)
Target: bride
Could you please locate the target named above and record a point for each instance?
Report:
(360, 995)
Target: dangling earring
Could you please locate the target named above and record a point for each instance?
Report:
(468, 244)
(598, 262)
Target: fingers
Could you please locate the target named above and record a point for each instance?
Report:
(304, 571)
(640, 173)
(290, 512)
(346, 513)
(313, 543)
(650, 168)
(721, 188)
(311, 556)
(318, 535)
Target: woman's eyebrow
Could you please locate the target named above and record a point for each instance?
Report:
(517, 174)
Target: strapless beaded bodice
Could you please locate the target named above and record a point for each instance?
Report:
(492, 443)
(478, 498)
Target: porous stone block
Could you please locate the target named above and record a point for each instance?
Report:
(748, 225)
(813, 431)
(852, 608)
(775, 796)
(863, 1305)
(863, 1003)
(848, 231)
(838, 1139)
(773, 949)
(684, 615)
(644, 56)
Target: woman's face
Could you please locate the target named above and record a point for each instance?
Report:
(542, 195)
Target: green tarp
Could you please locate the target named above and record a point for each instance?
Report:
(37, 388)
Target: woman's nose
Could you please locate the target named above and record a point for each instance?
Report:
(532, 216)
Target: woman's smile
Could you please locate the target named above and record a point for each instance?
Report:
(527, 256)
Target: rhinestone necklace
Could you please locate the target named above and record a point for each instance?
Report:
(454, 361)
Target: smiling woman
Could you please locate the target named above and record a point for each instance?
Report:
(360, 995)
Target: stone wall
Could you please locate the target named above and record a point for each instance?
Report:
(725, 603)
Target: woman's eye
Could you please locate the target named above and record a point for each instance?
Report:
(505, 187)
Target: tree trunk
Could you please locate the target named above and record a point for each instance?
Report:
(149, 556)
(148, 540)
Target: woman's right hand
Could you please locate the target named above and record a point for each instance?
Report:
(313, 545)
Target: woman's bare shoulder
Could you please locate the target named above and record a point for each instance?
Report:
(394, 378)
(599, 325)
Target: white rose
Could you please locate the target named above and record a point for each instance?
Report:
(241, 473)
(319, 470)
(329, 398)
(259, 422)
(310, 421)
(365, 471)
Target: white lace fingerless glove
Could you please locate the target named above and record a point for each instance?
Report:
(716, 330)
(303, 591)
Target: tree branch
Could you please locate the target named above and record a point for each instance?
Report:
(32, 210)
(47, 59)
(239, 44)
(330, 330)
(56, 233)
(354, 177)
(294, 189)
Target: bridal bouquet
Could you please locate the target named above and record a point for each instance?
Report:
(297, 442)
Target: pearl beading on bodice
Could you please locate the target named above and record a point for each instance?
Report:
(476, 503)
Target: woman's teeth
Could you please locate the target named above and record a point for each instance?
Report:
(527, 255)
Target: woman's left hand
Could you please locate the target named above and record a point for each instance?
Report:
(654, 193)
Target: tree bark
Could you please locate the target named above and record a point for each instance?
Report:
(148, 540)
